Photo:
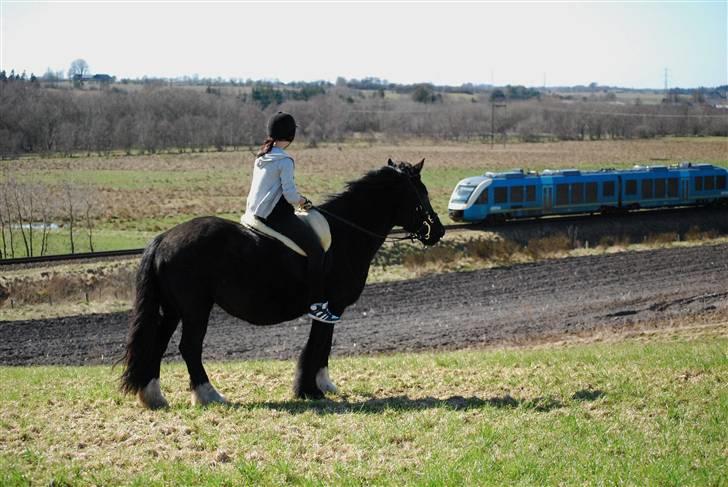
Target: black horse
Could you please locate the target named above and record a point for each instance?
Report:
(208, 260)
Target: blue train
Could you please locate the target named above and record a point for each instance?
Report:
(496, 197)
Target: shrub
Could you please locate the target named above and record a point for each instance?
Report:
(661, 238)
(614, 241)
(491, 249)
(438, 254)
(550, 245)
(695, 233)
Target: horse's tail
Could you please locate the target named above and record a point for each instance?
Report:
(143, 324)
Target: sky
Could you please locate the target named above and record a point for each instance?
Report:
(628, 44)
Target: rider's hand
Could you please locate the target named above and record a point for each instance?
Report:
(305, 204)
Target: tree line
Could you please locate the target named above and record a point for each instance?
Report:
(41, 119)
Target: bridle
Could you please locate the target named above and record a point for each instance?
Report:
(426, 217)
(422, 234)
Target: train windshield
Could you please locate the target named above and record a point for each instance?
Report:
(462, 193)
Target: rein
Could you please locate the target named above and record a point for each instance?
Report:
(387, 238)
(423, 233)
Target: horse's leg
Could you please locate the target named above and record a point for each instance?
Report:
(194, 327)
(312, 376)
(323, 381)
(151, 396)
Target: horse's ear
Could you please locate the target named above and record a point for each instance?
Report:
(418, 167)
(390, 162)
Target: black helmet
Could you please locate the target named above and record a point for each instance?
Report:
(282, 126)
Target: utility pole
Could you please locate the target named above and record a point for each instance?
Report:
(493, 106)
(667, 94)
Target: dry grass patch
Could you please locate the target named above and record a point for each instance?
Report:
(550, 246)
(696, 234)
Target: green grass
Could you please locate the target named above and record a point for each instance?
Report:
(636, 413)
(59, 241)
(128, 234)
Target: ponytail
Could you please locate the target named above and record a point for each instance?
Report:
(266, 147)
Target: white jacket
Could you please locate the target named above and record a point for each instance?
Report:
(272, 178)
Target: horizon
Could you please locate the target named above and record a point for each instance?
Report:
(624, 45)
(195, 79)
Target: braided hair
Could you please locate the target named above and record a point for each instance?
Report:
(266, 147)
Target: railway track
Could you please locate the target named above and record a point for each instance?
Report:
(109, 254)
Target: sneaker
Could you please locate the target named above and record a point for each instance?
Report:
(321, 312)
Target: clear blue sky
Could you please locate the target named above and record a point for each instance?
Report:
(611, 43)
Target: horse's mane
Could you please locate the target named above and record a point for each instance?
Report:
(375, 181)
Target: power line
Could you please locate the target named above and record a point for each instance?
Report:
(550, 109)
(627, 114)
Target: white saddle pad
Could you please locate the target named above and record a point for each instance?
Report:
(313, 218)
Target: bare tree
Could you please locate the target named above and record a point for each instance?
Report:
(3, 219)
(19, 200)
(8, 217)
(46, 228)
(70, 199)
(78, 67)
(89, 200)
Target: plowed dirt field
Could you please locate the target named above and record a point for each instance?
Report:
(523, 303)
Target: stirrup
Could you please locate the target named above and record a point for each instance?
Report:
(320, 312)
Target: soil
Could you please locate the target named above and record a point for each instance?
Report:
(540, 301)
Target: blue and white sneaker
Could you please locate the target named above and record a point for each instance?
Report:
(321, 312)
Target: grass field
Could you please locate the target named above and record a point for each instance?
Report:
(648, 410)
(138, 196)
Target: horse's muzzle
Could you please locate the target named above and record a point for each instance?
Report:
(431, 232)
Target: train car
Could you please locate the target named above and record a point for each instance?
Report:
(496, 197)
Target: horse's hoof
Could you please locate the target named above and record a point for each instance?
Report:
(314, 395)
(311, 393)
(151, 396)
(323, 381)
(205, 394)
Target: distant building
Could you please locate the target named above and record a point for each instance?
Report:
(102, 80)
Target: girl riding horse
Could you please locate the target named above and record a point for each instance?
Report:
(206, 261)
(273, 195)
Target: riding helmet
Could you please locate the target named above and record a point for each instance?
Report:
(282, 126)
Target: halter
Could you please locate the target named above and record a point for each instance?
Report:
(423, 233)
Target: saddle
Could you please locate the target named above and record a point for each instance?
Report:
(312, 218)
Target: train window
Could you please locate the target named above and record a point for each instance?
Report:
(591, 192)
(720, 182)
(698, 183)
(608, 188)
(562, 194)
(462, 193)
(577, 193)
(659, 188)
(531, 192)
(672, 187)
(500, 195)
(709, 183)
(516, 194)
(647, 188)
(630, 187)
(483, 197)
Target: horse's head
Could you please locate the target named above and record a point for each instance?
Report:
(415, 213)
